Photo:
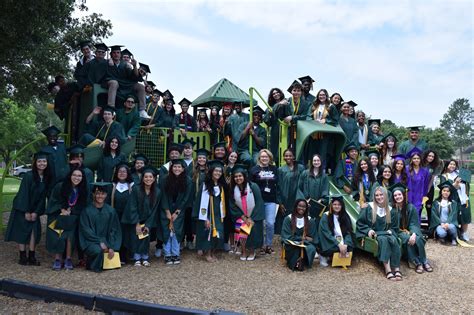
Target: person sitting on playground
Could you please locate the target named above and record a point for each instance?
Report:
(98, 131)
(377, 220)
(64, 94)
(168, 118)
(298, 111)
(413, 243)
(335, 231)
(57, 156)
(184, 121)
(345, 168)
(259, 138)
(98, 65)
(348, 124)
(298, 236)
(129, 118)
(232, 127)
(444, 214)
(81, 73)
(99, 229)
(155, 111)
(123, 81)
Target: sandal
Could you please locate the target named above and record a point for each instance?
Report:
(398, 275)
(427, 267)
(390, 275)
(419, 268)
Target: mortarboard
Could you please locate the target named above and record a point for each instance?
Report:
(295, 83)
(188, 141)
(150, 83)
(398, 157)
(40, 155)
(145, 67)
(51, 130)
(101, 186)
(307, 78)
(350, 146)
(374, 121)
(109, 108)
(389, 135)
(76, 149)
(202, 152)
(239, 168)
(414, 128)
(175, 147)
(150, 169)
(140, 157)
(351, 103)
(414, 151)
(181, 162)
(221, 144)
(127, 52)
(115, 48)
(84, 43)
(258, 110)
(184, 101)
(101, 46)
(397, 186)
(168, 94)
(448, 184)
(215, 163)
(369, 153)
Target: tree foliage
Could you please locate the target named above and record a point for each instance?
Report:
(39, 40)
(439, 141)
(17, 127)
(458, 122)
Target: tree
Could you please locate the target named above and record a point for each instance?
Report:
(439, 141)
(17, 127)
(39, 40)
(458, 122)
(399, 132)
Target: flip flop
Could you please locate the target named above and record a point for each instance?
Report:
(419, 269)
(390, 276)
(427, 267)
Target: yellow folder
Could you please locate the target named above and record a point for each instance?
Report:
(338, 261)
(52, 226)
(113, 263)
(246, 228)
(142, 235)
(297, 244)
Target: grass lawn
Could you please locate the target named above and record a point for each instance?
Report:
(11, 185)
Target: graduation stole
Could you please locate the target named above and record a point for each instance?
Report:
(154, 112)
(114, 188)
(349, 171)
(319, 135)
(365, 133)
(295, 111)
(106, 132)
(207, 204)
(185, 121)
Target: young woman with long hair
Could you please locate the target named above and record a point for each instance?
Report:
(111, 157)
(418, 180)
(444, 215)
(364, 182)
(399, 174)
(432, 162)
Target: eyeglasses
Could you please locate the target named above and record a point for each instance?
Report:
(130, 101)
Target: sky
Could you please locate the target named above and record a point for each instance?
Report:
(406, 61)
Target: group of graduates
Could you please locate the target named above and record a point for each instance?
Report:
(240, 198)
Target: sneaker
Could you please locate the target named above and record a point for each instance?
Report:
(68, 264)
(146, 263)
(323, 261)
(316, 255)
(57, 265)
(137, 263)
(251, 257)
(176, 260)
(453, 243)
(158, 252)
(243, 258)
(168, 260)
(144, 115)
(465, 236)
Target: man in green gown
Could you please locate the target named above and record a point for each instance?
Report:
(129, 118)
(414, 141)
(307, 83)
(98, 65)
(259, 138)
(99, 229)
(57, 157)
(232, 127)
(102, 129)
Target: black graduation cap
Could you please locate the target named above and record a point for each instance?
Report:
(170, 100)
(76, 149)
(414, 151)
(84, 43)
(184, 101)
(337, 197)
(140, 157)
(168, 94)
(239, 168)
(215, 163)
(216, 106)
(109, 108)
(188, 141)
(350, 146)
(115, 48)
(307, 78)
(131, 96)
(181, 162)
(446, 183)
(397, 186)
(203, 109)
(202, 152)
(145, 67)
(40, 155)
(389, 135)
(175, 147)
(221, 144)
(374, 121)
(351, 103)
(51, 130)
(150, 169)
(371, 152)
(295, 83)
(156, 91)
(150, 83)
(414, 128)
(101, 46)
(258, 110)
(101, 186)
(127, 52)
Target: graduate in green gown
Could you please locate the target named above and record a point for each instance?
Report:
(168, 118)
(257, 133)
(210, 209)
(413, 141)
(364, 182)
(413, 243)
(346, 167)
(376, 135)
(99, 229)
(118, 197)
(99, 130)
(24, 226)
(335, 231)
(177, 189)
(298, 230)
(348, 124)
(137, 166)
(379, 221)
(313, 186)
(129, 118)
(57, 156)
(232, 127)
(110, 159)
(98, 66)
(298, 111)
(288, 178)
(67, 201)
(246, 204)
(140, 216)
(444, 214)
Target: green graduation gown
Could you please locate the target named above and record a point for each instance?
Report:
(31, 198)
(388, 246)
(407, 145)
(106, 167)
(292, 253)
(287, 189)
(124, 76)
(167, 203)
(99, 226)
(272, 119)
(233, 128)
(344, 172)
(415, 253)
(204, 237)
(328, 242)
(130, 121)
(140, 209)
(314, 187)
(435, 219)
(97, 71)
(57, 161)
(349, 125)
(244, 148)
(56, 243)
(255, 239)
(98, 130)
(167, 120)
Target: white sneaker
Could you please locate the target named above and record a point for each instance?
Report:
(144, 114)
(158, 253)
(323, 261)
(465, 236)
(316, 255)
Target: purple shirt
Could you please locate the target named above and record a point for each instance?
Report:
(418, 184)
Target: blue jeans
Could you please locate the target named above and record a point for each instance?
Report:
(270, 211)
(140, 256)
(171, 247)
(442, 233)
